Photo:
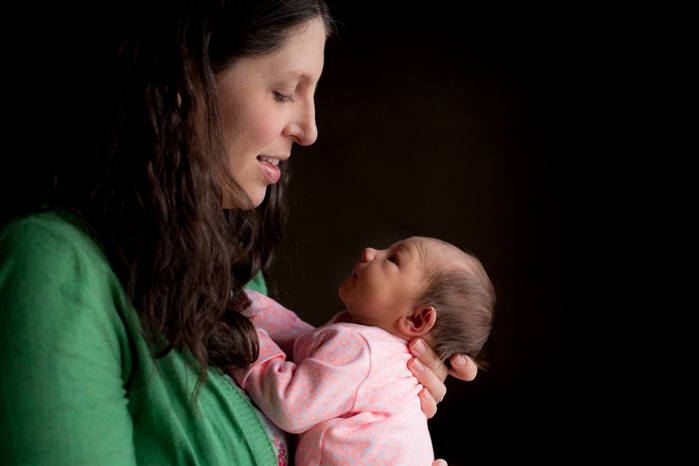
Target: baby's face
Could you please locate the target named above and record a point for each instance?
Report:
(386, 284)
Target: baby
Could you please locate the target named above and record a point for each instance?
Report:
(349, 394)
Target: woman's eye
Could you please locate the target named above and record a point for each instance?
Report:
(283, 97)
(393, 259)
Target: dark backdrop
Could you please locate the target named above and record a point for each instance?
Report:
(456, 124)
(460, 123)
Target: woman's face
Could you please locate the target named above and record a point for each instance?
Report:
(266, 104)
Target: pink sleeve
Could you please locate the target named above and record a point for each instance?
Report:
(323, 386)
(281, 324)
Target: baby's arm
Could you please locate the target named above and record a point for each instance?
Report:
(281, 324)
(323, 386)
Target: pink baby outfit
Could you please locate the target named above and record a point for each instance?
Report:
(349, 394)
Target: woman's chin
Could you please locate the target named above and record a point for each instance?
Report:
(249, 202)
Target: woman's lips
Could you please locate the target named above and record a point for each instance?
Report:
(270, 168)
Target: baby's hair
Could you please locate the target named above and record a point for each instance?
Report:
(464, 299)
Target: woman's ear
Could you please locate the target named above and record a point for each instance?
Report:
(419, 322)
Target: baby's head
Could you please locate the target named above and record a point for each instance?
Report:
(423, 287)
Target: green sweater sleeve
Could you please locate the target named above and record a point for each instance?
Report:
(79, 385)
(62, 345)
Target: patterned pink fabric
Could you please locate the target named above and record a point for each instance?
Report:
(281, 324)
(349, 395)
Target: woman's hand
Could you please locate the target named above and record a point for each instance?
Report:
(431, 373)
(440, 463)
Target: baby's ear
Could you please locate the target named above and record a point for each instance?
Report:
(419, 322)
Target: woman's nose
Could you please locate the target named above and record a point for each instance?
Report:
(302, 126)
(368, 255)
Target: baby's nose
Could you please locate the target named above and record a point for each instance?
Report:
(368, 254)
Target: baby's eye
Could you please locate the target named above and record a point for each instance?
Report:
(393, 259)
(283, 98)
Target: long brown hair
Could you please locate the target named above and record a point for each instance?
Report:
(156, 209)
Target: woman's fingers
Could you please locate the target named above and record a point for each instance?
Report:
(424, 353)
(430, 372)
(434, 387)
(440, 463)
(427, 404)
(463, 367)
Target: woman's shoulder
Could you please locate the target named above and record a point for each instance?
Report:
(55, 241)
(52, 270)
(43, 231)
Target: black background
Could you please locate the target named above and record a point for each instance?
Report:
(463, 124)
(472, 124)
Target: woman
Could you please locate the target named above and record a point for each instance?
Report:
(121, 297)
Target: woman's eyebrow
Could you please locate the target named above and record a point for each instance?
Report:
(296, 74)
